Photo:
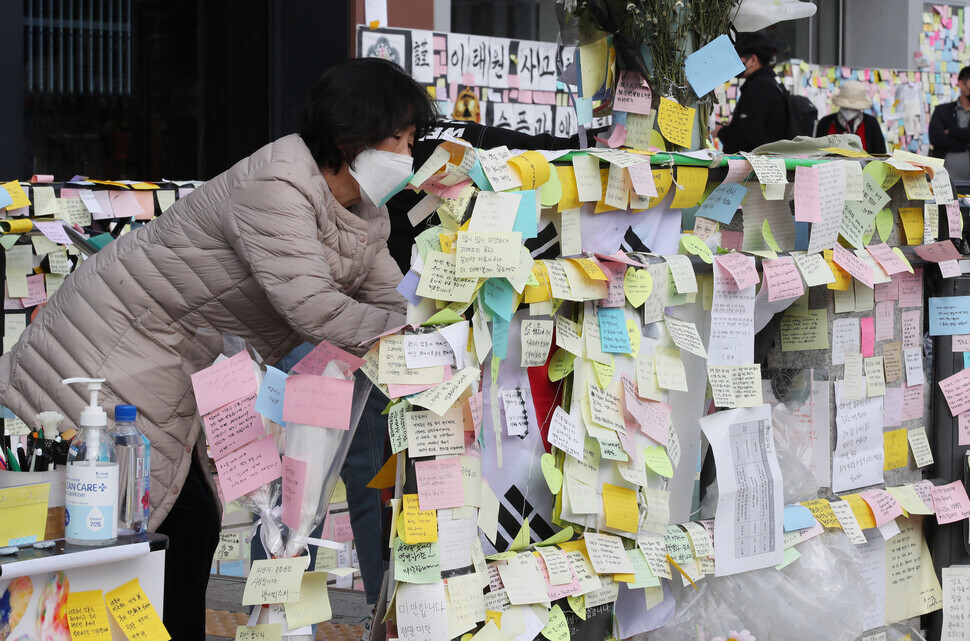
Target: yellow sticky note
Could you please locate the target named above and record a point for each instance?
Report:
(843, 280)
(273, 581)
(593, 63)
(538, 293)
(415, 525)
(533, 169)
(912, 219)
(23, 513)
(694, 245)
(18, 195)
(769, 237)
(570, 191)
(662, 178)
(676, 122)
(657, 460)
(916, 185)
(896, 448)
(560, 364)
(590, 267)
(16, 226)
(135, 614)
(448, 242)
(637, 285)
(822, 510)
(259, 632)
(620, 506)
(523, 539)
(691, 182)
(861, 510)
(314, 604)
(557, 629)
(848, 153)
(604, 372)
(551, 192)
(578, 605)
(87, 616)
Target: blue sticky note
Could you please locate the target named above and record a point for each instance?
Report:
(269, 401)
(949, 316)
(723, 202)
(500, 297)
(409, 286)
(6, 412)
(712, 65)
(619, 118)
(798, 517)
(5, 198)
(613, 335)
(500, 337)
(477, 174)
(526, 218)
(966, 360)
(584, 110)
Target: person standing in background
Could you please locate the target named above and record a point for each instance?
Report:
(950, 131)
(852, 100)
(761, 114)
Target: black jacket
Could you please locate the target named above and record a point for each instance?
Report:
(760, 115)
(945, 119)
(875, 142)
(479, 136)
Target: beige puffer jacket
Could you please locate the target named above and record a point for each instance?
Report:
(264, 252)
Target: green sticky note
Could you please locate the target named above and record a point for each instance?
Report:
(418, 563)
(884, 224)
(657, 460)
(769, 237)
(445, 317)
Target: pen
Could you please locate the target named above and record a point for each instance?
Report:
(14, 465)
(22, 457)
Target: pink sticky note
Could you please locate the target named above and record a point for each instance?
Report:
(323, 353)
(808, 206)
(249, 468)
(867, 327)
(475, 407)
(618, 137)
(950, 502)
(124, 203)
(963, 421)
(912, 403)
(439, 483)
(885, 317)
(732, 239)
(782, 279)
(853, 264)
(397, 390)
(738, 170)
(11, 303)
(618, 257)
(468, 79)
(514, 80)
(224, 382)
(342, 530)
(557, 592)
(318, 400)
(454, 191)
(741, 268)
(892, 407)
(953, 219)
(913, 331)
(54, 230)
(910, 288)
(294, 480)
(232, 426)
(36, 291)
(956, 390)
(938, 252)
(950, 268)
(615, 294)
(886, 291)
(641, 176)
(884, 507)
(632, 94)
(961, 343)
(146, 201)
(887, 258)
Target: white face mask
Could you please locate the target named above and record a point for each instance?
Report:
(849, 114)
(381, 174)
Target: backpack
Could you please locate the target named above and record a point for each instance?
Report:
(802, 114)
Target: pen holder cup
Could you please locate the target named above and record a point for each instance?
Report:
(55, 502)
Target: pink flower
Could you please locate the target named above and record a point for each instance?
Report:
(744, 635)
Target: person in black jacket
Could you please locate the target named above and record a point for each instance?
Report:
(950, 131)
(761, 113)
(852, 100)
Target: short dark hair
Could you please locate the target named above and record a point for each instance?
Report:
(964, 74)
(755, 44)
(359, 103)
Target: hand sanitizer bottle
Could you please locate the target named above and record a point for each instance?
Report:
(134, 451)
(91, 491)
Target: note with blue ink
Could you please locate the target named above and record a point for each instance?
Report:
(269, 401)
(949, 316)
(723, 202)
(614, 338)
(712, 65)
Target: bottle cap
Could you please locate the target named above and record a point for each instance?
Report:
(126, 412)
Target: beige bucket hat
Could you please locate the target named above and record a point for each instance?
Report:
(852, 95)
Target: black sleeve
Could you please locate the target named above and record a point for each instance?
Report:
(942, 141)
(874, 137)
(822, 126)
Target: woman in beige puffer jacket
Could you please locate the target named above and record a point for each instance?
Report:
(278, 250)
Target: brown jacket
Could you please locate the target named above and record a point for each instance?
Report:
(263, 252)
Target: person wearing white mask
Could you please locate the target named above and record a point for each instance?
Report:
(852, 100)
(287, 246)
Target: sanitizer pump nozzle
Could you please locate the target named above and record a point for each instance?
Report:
(93, 415)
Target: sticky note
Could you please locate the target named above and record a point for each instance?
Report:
(135, 614)
(224, 382)
(323, 353)
(321, 401)
(313, 606)
(87, 616)
(613, 335)
(690, 186)
(949, 316)
(269, 401)
(249, 468)
(676, 122)
(895, 450)
(620, 506)
(632, 94)
(23, 513)
(723, 202)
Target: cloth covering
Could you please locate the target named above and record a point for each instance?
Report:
(263, 251)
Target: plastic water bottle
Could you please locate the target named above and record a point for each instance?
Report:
(91, 487)
(134, 477)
